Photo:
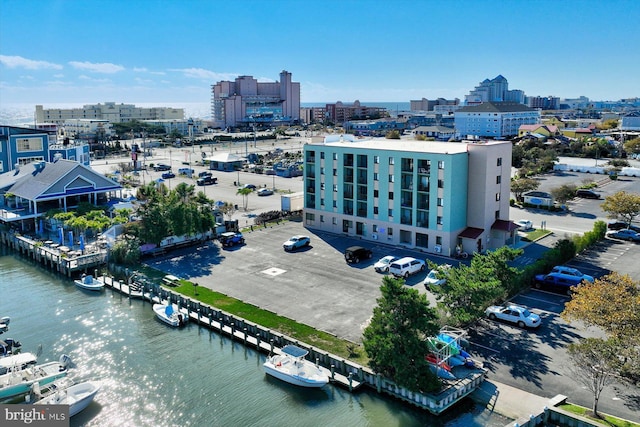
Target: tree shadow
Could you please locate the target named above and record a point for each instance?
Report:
(193, 261)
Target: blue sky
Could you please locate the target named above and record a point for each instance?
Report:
(143, 51)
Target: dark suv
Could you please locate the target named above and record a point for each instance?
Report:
(354, 254)
(161, 167)
(230, 238)
(587, 194)
(207, 180)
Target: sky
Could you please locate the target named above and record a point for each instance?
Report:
(55, 52)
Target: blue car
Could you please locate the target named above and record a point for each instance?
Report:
(168, 175)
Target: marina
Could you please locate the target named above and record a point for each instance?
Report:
(220, 381)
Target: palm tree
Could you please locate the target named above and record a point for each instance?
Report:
(245, 196)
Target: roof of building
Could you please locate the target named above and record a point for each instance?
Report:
(502, 225)
(44, 180)
(398, 145)
(441, 129)
(496, 107)
(471, 233)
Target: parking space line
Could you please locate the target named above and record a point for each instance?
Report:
(484, 347)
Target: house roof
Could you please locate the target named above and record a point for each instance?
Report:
(225, 158)
(502, 225)
(495, 107)
(441, 129)
(471, 232)
(44, 181)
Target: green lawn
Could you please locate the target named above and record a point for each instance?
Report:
(606, 419)
(532, 236)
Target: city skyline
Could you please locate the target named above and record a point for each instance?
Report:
(172, 52)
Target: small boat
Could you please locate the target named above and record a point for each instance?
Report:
(17, 362)
(4, 324)
(89, 282)
(170, 314)
(17, 382)
(77, 396)
(291, 366)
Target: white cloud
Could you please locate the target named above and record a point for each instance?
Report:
(29, 64)
(58, 76)
(143, 81)
(105, 67)
(140, 69)
(200, 73)
(93, 80)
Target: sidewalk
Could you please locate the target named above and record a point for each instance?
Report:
(509, 401)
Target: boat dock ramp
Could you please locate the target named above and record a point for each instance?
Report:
(341, 371)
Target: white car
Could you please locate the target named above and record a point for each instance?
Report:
(525, 224)
(432, 278)
(382, 265)
(405, 267)
(569, 271)
(296, 242)
(513, 313)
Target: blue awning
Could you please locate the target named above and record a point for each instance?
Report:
(294, 351)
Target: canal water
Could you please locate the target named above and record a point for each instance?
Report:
(153, 375)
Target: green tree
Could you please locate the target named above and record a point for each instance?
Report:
(244, 192)
(632, 146)
(395, 340)
(564, 193)
(522, 185)
(392, 134)
(591, 365)
(622, 205)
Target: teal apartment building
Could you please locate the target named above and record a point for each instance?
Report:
(425, 195)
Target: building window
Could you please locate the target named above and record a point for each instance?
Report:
(322, 186)
(389, 231)
(391, 179)
(439, 220)
(375, 193)
(375, 228)
(390, 195)
(440, 164)
(335, 188)
(376, 176)
(321, 171)
(334, 220)
(497, 216)
(322, 154)
(498, 179)
(335, 203)
(440, 201)
(376, 159)
(335, 172)
(438, 240)
(390, 213)
(391, 161)
(375, 210)
(321, 218)
(499, 161)
(335, 156)
(441, 183)
(321, 202)
(497, 197)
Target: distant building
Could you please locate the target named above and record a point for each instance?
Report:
(110, 111)
(313, 114)
(441, 133)
(340, 112)
(631, 121)
(378, 127)
(494, 119)
(495, 90)
(543, 102)
(545, 131)
(21, 146)
(429, 105)
(99, 129)
(246, 102)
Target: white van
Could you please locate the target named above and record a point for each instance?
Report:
(404, 267)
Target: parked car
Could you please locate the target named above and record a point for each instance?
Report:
(624, 234)
(406, 266)
(186, 171)
(296, 242)
(587, 194)
(557, 282)
(168, 175)
(204, 173)
(354, 254)
(619, 225)
(525, 224)
(382, 265)
(250, 186)
(436, 276)
(264, 192)
(161, 167)
(513, 313)
(570, 271)
(207, 180)
(231, 238)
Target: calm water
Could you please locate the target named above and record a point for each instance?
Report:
(157, 376)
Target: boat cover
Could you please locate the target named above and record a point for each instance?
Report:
(294, 351)
(169, 310)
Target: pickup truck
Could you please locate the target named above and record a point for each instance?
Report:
(207, 180)
(230, 238)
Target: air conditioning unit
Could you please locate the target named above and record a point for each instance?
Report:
(438, 249)
(374, 236)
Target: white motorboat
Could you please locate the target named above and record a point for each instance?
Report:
(9, 346)
(17, 382)
(291, 366)
(17, 362)
(4, 324)
(89, 283)
(170, 314)
(77, 396)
